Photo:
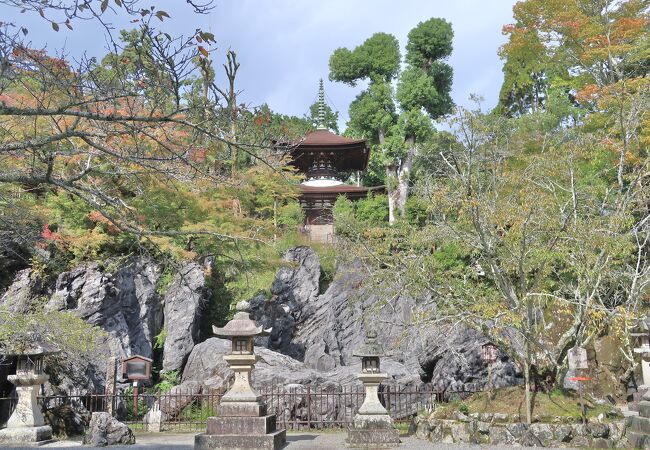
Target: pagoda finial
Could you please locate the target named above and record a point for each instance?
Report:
(321, 107)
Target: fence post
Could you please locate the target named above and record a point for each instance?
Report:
(308, 406)
(388, 398)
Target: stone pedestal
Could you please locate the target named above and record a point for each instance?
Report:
(372, 427)
(26, 424)
(638, 432)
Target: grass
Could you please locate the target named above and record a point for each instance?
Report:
(511, 401)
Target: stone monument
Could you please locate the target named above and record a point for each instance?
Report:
(372, 426)
(26, 424)
(641, 334)
(242, 422)
(638, 431)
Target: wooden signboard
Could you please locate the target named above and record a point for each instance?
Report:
(577, 358)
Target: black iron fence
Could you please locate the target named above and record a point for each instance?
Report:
(295, 406)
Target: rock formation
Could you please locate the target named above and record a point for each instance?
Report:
(183, 302)
(322, 330)
(313, 333)
(105, 430)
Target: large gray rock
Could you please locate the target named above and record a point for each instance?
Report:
(123, 302)
(183, 301)
(25, 293)
(281, 373)
(105, 430)
(324, 330)
(206, 366)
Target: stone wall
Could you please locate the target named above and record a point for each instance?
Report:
(492, 432)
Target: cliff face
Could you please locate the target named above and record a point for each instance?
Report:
(324, 330)
(313, 338)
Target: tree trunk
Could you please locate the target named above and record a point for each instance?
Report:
(393, 192)
(403, 177)
(527, 361)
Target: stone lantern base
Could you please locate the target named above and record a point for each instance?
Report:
(26, 435)
(638, 432)
(372, 431)
(251, 429)
(26, 424)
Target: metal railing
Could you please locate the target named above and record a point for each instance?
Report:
(295, 406)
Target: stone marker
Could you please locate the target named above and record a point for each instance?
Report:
(641, 334)
(26, 424)
(638, 432)
(242, 422)
(372, 427)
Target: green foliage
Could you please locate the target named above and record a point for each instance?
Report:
(396, 123)
(164, 281)
(76, 339)
(416, 211)
(463, 408)
(167, 381)
(429, 41)
(378, 58)
(371, 211)
(331, 117)
(159, 340)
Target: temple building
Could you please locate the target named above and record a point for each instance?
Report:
(327, 160)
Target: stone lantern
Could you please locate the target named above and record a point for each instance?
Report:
(638, 431)
(490, 354)
(242, 421)
(641, 333)
(26, 424)
(372, 427)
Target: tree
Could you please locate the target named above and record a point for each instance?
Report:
(524, 239)
(397, 121)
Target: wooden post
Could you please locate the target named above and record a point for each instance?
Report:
(135, 400)
(109, 389)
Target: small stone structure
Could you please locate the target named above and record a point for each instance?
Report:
(639, 426)
(641, 333)
(488, 429)
(26, 424)
(372, 427)
(242, 422)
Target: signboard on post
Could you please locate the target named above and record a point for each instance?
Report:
(577, 358)
(136, 368)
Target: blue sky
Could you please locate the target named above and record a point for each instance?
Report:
(284, 45)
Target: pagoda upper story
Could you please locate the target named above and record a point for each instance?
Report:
(327, 160)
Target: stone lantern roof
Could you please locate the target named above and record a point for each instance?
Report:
(370, 348)
(241, 325)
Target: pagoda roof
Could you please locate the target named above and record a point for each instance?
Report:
(345, 153)
(325, 138)
(334, 191)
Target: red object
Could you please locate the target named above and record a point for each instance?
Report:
(579, 379)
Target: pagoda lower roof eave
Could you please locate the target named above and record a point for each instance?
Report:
(339, 188)
(332, 192)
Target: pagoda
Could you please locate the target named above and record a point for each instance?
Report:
(326, 160)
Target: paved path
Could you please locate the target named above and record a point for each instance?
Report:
(295, 441)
